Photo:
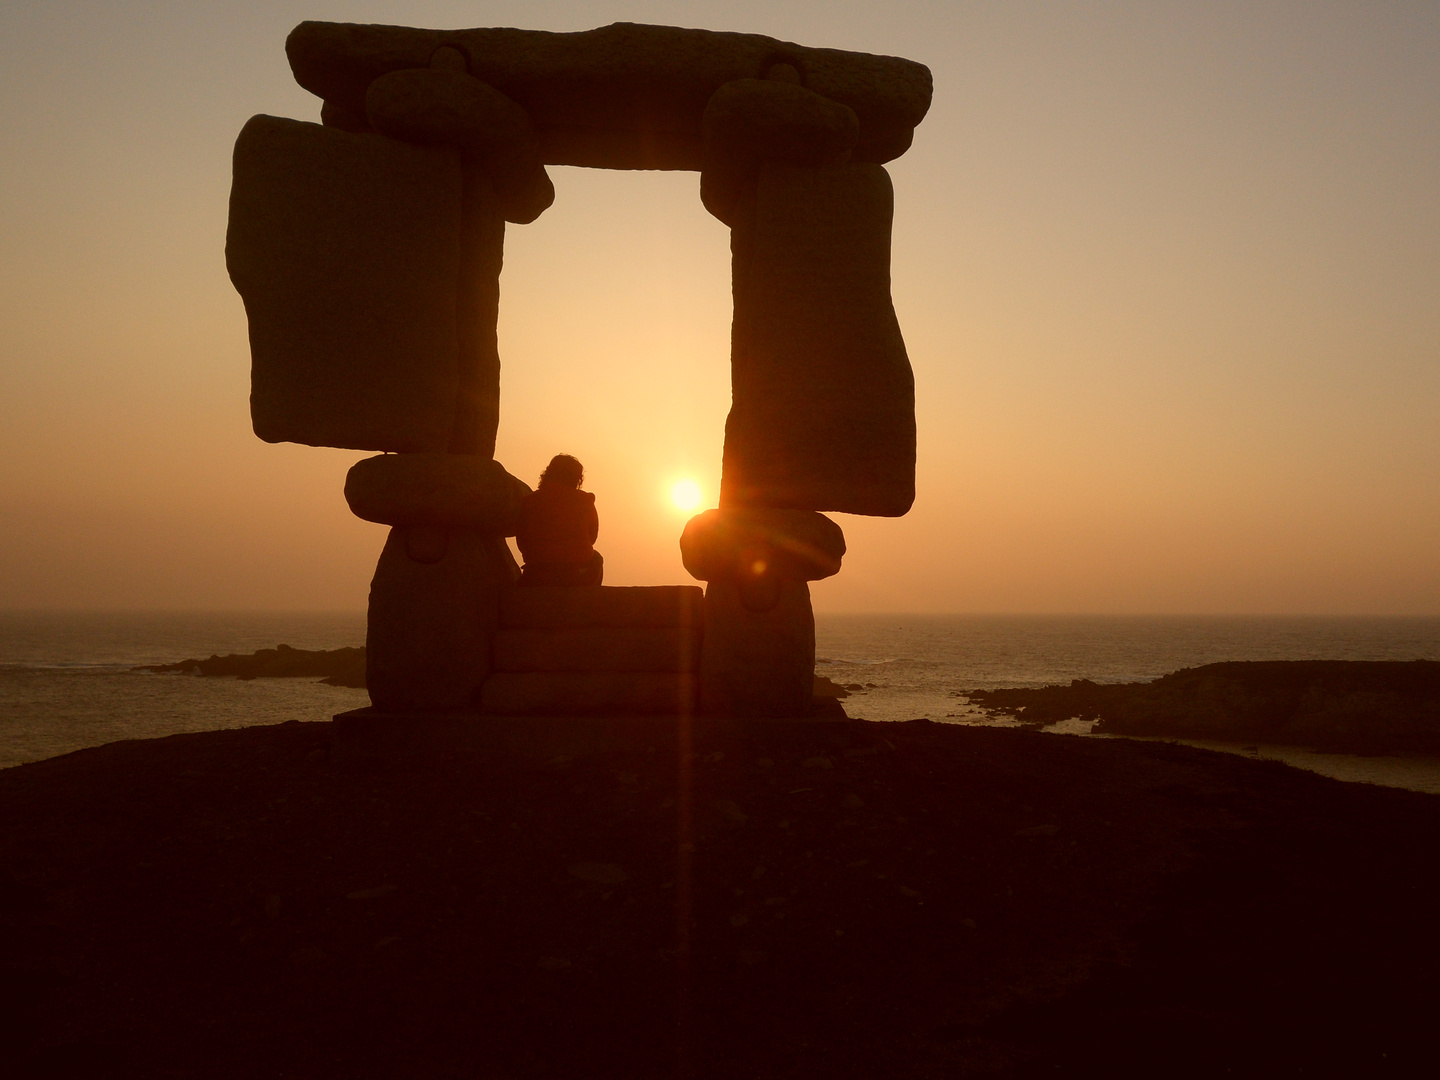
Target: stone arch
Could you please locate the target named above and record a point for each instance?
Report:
(368, 251)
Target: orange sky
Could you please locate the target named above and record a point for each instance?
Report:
(1169, 276)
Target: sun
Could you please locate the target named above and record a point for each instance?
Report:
(685, 494)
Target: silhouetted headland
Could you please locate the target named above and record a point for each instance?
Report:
(1349, 706)
(644, 897)
(334, 667)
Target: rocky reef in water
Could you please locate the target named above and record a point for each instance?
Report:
(1343, 705)
(334, 667)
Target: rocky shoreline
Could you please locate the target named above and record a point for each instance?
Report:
(706, 898)
(333, 667)
(1346, 706)
(1342, 706)
(346, 667)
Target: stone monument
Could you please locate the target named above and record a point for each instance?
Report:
(368, 249)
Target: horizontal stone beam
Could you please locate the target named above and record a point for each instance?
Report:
(751, 541)
(443, 490)
(624, 96)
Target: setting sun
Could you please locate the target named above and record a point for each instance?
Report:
(685, 494)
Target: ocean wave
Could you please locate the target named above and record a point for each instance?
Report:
(864, 661)
(79, 667)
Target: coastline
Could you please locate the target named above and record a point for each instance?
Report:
(1343, 706)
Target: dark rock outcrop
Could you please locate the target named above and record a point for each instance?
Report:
(828, 688)
(1343, 705)
(335, 667)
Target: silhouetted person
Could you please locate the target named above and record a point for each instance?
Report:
(557, 529)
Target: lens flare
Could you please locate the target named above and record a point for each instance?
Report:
(685, 494)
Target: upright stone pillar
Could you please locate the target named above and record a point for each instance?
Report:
(435, 597)
(758, 662)
(502, 180)
(368, 252)
(431, 619)
(758, 659)
(822, 398)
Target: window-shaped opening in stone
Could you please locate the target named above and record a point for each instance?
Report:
(614, 342)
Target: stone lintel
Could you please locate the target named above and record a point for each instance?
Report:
(623, 96)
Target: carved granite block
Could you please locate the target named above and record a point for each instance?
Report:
(346, 250)
(623, 96)
(427, 646)
(607, 605)
(823, 398)
(435, 107)
(436, 489)
(482, 254)
(566, 693)
(758, 663)
(598, 648)
(729, 543)
(751, 121)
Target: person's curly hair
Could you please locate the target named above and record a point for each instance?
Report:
(563, 471)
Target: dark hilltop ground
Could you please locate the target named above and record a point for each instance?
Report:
(654, 898)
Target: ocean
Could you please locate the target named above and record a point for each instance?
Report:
(66, 680)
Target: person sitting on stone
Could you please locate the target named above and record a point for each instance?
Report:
(557, 529)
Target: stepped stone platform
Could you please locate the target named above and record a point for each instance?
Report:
(606, 605)
(609, 649)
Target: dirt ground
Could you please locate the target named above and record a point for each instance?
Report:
(464, 897)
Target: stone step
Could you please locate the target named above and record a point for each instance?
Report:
(604, 605)
(597, 648)
(567, 693)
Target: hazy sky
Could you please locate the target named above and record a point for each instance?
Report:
(1169, 274)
